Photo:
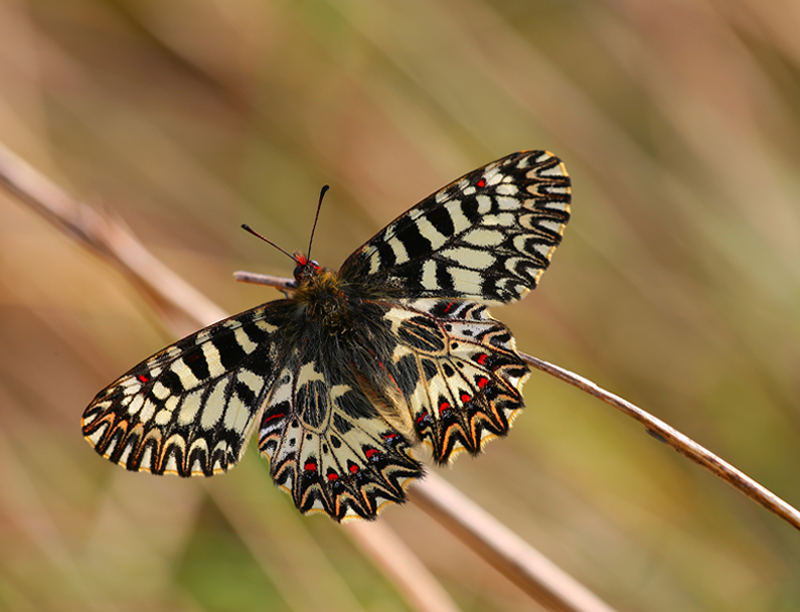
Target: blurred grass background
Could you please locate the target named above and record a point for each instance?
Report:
(677, 285)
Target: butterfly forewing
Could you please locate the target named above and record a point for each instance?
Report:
(189, 408)
(487, 236)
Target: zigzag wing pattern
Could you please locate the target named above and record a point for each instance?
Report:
(462, 376)
(329, 446)
(487, 236)
(189, 408)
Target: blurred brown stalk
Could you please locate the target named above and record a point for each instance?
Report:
(181, 305)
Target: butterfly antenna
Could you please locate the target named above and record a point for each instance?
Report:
(249, 229)
(316, 217)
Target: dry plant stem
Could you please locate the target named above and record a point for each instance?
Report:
(500, 546)
(280, 283)
(421, 590)
(185, 306)
(655, 427)
(107, 237)
(511, 556)
(182, 304)
(677, 440)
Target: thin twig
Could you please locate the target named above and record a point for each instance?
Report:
(677, 440)
(655, 427)
(280, 283)
(496, 543)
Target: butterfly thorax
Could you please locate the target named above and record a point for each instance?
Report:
(321, 296)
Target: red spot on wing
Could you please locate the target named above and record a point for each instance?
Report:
(481, 183)
(423, 415)
(481, 359)
(482, 382)
(353, 468)
(311, 466)
(465, 397)
(277, 415)
(444, 406)
(142, 378)
(371, 452)
(332, 476)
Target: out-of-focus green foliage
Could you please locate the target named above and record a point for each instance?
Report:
(677, 285)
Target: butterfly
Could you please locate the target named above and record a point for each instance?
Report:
(354, 368)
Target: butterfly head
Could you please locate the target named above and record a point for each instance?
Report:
(306, 268)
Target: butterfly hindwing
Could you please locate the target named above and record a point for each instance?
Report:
(487, 236)
(467, 376)
(328, 445)
(189, 408)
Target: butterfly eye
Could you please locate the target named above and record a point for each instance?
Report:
(305, 268)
